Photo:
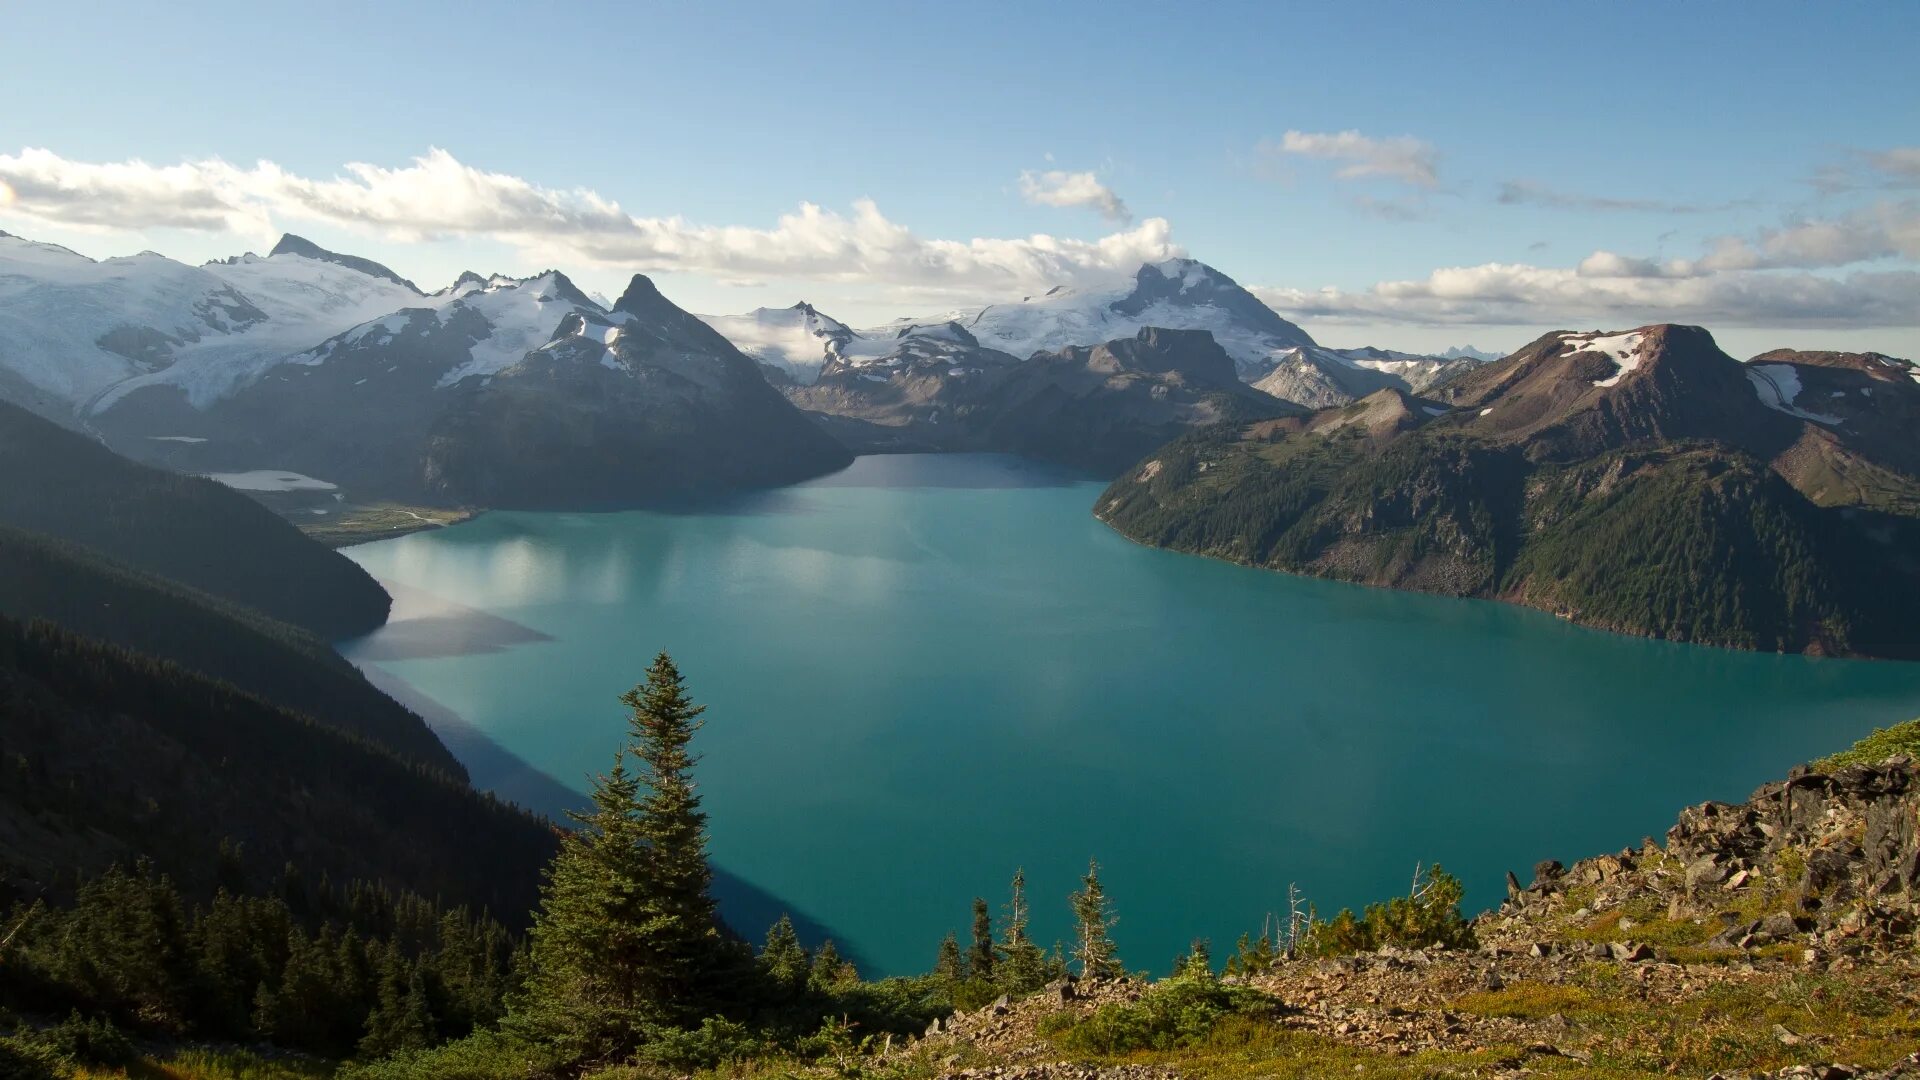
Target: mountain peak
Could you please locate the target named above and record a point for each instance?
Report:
(641, 297)
(299, 245)
(1190, 283)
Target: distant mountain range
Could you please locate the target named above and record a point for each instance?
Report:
(493, 391)
(942, 382)
(1640, 481)
(498, 391)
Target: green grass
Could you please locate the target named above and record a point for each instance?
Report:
(206, 1064)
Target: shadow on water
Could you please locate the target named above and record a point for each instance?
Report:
(746, 907)
(422, 626)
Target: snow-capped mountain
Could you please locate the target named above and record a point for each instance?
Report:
(1178, 294)
(797, 341)
(76, 333)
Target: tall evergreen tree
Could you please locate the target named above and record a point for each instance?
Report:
(1093, 917)
(1023, 965)
(627, 937)
(980, 954)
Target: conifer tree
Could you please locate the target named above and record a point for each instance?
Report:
(1023, 965)
(783, 959)
(1093, 917)
(949, 964)
(980, 953)
(829, 970)
(626, 937)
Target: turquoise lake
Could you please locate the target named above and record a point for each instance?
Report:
(924, 672)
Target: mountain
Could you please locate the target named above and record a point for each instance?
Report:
(299, 245)
(793, 344)
(1467, 352)
(1318, 378)
(1096, 408)
(174, 763)
(641, 402)
(356, 408)
(76, 333)
(42, 578)
(1640, 481)
(802, 346)
(186, 529)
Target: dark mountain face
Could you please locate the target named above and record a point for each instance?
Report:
(1640, 481)
(183, 528)
(299, 245)
(648, 403)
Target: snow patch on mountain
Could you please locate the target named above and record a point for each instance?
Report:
(1622, 349)
(1778, 385)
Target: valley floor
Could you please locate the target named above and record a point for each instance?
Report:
(363, 523)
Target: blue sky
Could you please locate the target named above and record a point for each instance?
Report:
(1648, 131)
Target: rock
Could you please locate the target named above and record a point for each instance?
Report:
(1738, 881)
(1628, 952)
(1492, 980)
(1513, 886)
(1706, 871)
(1547, 872)
(1786, 1037)
(1779, 926)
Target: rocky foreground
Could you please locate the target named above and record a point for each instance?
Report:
(1776, 938)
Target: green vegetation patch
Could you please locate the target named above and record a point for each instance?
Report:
(1877, 747)
(1176, 1013)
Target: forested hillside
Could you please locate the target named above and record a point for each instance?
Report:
(111, 756)
(187, 529)
(1665, 491)
(90, 595)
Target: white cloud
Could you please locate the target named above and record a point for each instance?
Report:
(1527, 192)
(1058, 188)
(437, 196)
(1896, 167)
(1507, 294)
(1399, 157)
(1780, 277)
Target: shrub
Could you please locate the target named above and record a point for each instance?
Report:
(1176, 1013)
(1429, 915)
(1877, 747)
(715, 1041)
(92, 1040)
(484, 1055)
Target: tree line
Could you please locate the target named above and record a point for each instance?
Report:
(626, 958)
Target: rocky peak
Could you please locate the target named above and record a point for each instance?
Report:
(299, 245)
(1191, 283)
(1156, 350)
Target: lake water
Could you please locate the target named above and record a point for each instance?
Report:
(926, 671)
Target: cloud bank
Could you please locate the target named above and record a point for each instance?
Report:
(437, 196)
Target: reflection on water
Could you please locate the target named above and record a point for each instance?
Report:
(423, 625)
(916, 687)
